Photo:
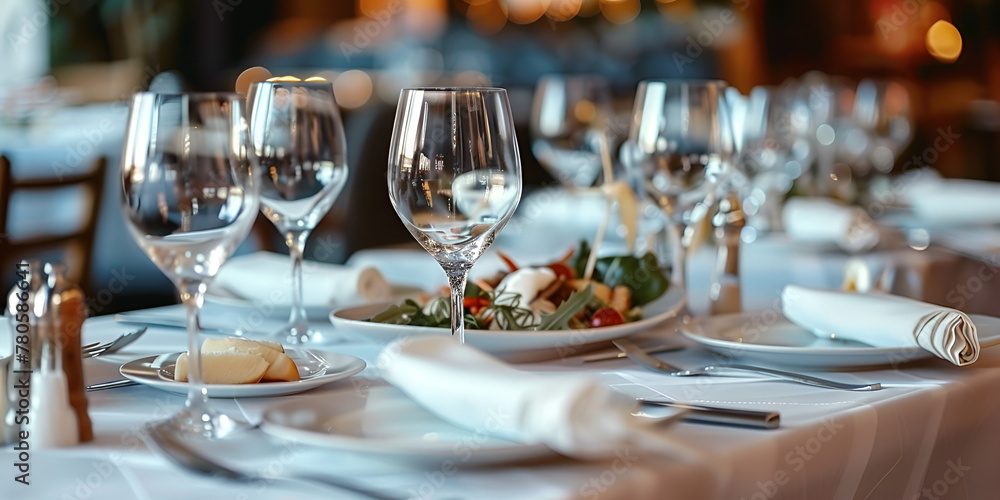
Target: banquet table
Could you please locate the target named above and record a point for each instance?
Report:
(929, 433)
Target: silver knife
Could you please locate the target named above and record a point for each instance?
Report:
(716, 415)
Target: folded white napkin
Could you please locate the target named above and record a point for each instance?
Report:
(572, 414)
(883, 321)
(266, 276)
(941, 202)
(823, 220)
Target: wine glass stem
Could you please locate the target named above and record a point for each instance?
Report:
(296, 241)
(678, 274)
(456, 280)
(193, 297)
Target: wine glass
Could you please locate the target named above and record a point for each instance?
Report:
(681, 140)
(883, 114)
(454, 176)
(190, 197)
(299, 139)
(766, 140)
(569, 116)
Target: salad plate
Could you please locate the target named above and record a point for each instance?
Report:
(767, 337)
(316, 368)
(369, 423)
(515, 345)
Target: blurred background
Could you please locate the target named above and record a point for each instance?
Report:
(71, 65)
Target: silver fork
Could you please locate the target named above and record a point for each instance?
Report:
(96, 349)
(162, 439)
(635, 354)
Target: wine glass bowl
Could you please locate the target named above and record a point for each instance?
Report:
(454, 176)
(298, 136)
(680, 139)
(190, 196)
(569, 117)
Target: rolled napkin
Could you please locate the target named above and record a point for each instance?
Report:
(574, 415)
(823, 220)
(266, 276)
(944, 202)
(883, 321)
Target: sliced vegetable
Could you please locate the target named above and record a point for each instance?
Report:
(562, 271)
(560, 320)
(509, 262)
(606, 316)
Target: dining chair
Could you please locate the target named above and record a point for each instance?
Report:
(51, 218)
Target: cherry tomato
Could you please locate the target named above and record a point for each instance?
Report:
(562, 271)
(606, 316)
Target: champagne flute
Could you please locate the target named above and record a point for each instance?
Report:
(299, 138)
(569, 116)
(190, 197)
(454, 176)
(681, 140)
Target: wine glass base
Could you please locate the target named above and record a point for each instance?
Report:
(206, 422)
(291, 335)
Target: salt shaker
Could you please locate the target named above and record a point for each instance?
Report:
(56, 313)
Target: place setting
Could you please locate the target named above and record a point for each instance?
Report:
(499, 249)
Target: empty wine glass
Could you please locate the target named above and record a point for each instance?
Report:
(766, 140)
(569, 116)
(883, 116)
(190, 197)
(299, 138)
(681, 140)
(454, 176)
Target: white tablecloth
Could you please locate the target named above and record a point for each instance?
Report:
(931, 433)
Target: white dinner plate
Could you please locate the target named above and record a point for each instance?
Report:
(515, 345)
(386, 424)
(767, 337)
(316, 368)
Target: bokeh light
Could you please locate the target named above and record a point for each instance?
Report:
(563, 10)
(524, 11)
(620, 11)
(353, 89)
(487, 18)
(944, 42)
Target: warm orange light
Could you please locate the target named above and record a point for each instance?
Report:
(286, 78)
(353, 88)
(524, 11)
(944, 42)
(563, 10)
(620, 11)
(487, 18)
(371, 8)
